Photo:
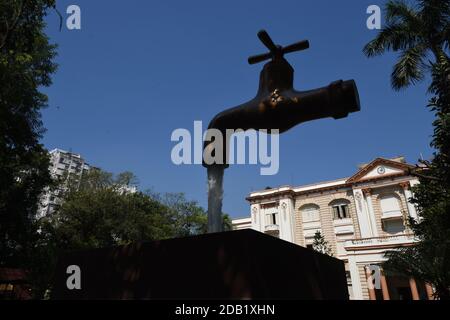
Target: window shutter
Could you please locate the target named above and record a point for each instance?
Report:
(335, 213)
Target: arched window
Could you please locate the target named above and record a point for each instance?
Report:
(341, 209)
(310, 212)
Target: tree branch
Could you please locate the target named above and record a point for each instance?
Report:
(413, 172)
(14, 25)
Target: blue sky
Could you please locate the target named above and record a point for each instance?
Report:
(137, 70)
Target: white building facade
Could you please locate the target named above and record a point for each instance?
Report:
(360, 217)
(64, 165)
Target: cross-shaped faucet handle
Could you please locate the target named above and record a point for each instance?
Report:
(276, 51)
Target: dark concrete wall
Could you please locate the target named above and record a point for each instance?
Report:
(229, 265)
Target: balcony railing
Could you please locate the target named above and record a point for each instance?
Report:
(380, 241)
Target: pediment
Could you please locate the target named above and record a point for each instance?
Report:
(380, 168)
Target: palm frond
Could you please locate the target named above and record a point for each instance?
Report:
(434, 13)
(410, 68)
(392, 37)
(400, 12)
(446, 37)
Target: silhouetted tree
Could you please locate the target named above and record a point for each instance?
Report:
(26, 64)
(321, 245)
(421, 34)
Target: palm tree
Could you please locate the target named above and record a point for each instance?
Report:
(420, 33)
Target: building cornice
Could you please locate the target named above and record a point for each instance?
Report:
(357, 180)
(275, 195)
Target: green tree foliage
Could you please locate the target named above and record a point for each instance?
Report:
(321, 245)
(430, 259)
(189, 217)
(421, 34)
(25, 67)
(101, 210)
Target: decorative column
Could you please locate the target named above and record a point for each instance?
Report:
(256, 217)
(429, 289)
(285, 220)
(384, 287)
(407, 192)
(372, 294)
(414, 291)
(356, 280)
(368, 195)
(363, 219)
(291, 218)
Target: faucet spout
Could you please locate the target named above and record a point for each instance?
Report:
(278, 105)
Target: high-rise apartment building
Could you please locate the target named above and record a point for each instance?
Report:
(65, 166)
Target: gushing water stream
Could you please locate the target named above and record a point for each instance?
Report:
(215, 196)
